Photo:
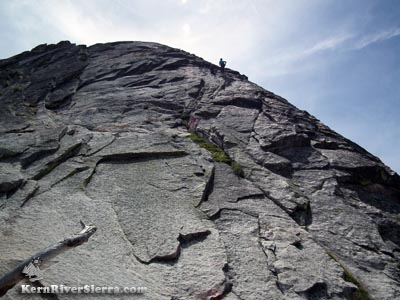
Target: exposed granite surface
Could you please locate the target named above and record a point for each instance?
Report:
(101, 134)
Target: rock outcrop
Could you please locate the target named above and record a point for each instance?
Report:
(202, 184)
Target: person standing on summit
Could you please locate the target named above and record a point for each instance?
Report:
(222, 64)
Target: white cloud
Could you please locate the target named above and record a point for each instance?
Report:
(186, 29)
(331, 43)
(302, 58)
(299, 58)
(376, 37)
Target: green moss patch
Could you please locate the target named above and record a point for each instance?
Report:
(237, 169)
(361, 293)
(217, 153)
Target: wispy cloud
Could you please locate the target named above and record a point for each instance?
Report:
(330, 43)
(303, 57)
(376, 37)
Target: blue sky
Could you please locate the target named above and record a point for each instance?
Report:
(337, 59)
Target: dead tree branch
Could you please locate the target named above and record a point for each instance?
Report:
(10, 279)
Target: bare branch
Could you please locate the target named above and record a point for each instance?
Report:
(10, 279)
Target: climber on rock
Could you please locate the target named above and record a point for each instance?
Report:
(222, 64)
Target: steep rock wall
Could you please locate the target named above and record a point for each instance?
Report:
(104, 134)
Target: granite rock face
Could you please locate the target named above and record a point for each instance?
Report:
(103, 134)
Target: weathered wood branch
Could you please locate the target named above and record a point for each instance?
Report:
(10, 279)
